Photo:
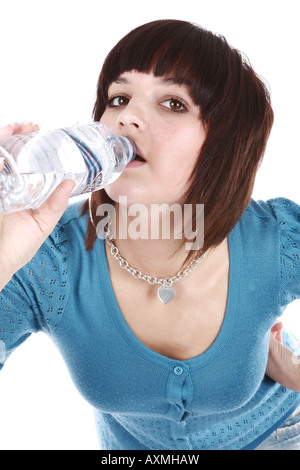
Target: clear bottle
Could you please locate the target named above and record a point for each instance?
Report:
(36, 163)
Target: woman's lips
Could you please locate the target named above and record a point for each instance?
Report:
(135, 163)
(138, 161)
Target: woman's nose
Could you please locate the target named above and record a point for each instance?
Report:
(132, 117)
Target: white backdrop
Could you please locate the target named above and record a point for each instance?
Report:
(51, 53)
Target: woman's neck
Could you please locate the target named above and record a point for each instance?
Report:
(145, 246)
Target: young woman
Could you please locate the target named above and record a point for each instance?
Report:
(172, 349)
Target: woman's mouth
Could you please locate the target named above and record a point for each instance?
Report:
(138, 161)
(139, 158)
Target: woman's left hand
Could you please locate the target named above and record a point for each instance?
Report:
(283, 365)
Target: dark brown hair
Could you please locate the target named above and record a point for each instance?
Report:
(235, 107)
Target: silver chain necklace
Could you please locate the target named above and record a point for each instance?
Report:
(166, 291)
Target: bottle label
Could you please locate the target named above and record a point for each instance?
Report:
(93, 166)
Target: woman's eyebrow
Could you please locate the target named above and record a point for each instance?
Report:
(120, 81)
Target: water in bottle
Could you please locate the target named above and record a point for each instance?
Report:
(36, 163)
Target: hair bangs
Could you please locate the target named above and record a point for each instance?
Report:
(165, 49)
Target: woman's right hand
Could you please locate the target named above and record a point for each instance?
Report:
(283, 365)
(22, 233)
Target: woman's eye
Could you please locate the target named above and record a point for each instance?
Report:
(174, 105)
(118, 101)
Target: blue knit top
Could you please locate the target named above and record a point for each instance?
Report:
(220, 399)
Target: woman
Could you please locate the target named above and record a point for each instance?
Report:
(171, 350)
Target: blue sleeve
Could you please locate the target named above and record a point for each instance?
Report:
(35, 298)
(287, 214)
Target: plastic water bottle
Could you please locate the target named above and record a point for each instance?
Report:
(36, 163)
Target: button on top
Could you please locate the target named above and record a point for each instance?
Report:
(178, 370)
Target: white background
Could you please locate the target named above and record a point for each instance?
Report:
(51, 53)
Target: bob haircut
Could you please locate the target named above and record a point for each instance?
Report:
(234, 106)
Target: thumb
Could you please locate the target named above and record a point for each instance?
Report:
(51, 211)
(276, 331)
(6, 131)
(57, 202)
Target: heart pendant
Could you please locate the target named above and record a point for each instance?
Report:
(166, 294)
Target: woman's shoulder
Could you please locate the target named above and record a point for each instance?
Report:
(283, 210)
(280, 217)
(48, 271)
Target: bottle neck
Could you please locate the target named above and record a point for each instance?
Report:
(129, 147)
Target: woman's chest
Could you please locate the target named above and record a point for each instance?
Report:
(116, 373)
(182, 329)
(103, 337)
